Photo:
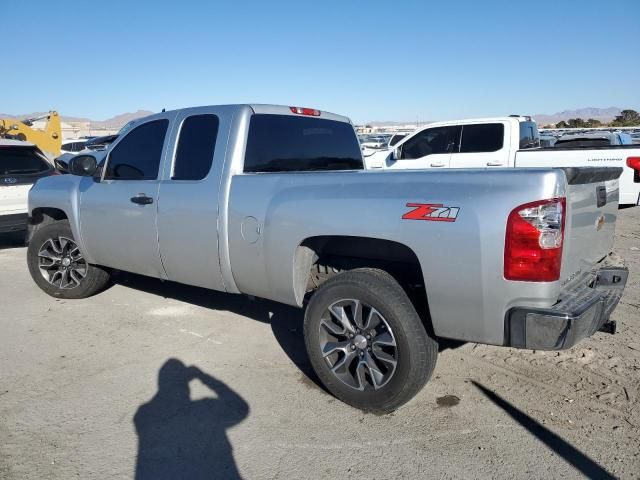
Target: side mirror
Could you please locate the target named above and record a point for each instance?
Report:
(83, 165)
(396, 154)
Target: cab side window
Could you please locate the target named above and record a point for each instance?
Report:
(137, 156)
(432, 141)
(486, 137)
(196, 146)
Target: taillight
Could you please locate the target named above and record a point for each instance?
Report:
(533, 243)
(634, 163)
(305, 111)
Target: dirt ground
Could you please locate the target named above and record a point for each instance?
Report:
(157, 380)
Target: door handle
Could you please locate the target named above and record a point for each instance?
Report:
(439, 164)
(142, 199)
(494, 164)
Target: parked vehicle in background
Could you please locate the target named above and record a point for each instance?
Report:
(21, 164)
(395, 138)
(93, 145)
(503, 142)
(73, 146)
(547, 140)
(372, 143)
(593, 139)
(100, 143)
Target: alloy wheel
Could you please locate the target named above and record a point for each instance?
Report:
(358, 344)
(61, 263)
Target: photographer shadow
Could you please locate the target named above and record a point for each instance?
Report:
(180, 438)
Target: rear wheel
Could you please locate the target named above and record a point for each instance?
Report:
(58, 266)
(366, 341)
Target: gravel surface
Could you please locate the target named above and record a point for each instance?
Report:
(158, 380)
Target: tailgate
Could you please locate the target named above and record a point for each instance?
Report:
(592, 208)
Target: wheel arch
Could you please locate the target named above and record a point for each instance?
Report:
(41, 216)
(318, 258)
(47, 215)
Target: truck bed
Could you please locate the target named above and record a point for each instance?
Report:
(611, 156)
(461, 260)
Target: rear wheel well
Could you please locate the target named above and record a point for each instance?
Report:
(320, 258)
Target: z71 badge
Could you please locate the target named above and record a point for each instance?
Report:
(433, 212)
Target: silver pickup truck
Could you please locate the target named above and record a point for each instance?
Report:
(273, 202)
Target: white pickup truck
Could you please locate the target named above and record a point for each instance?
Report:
(502, 142)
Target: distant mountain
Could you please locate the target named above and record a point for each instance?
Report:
(396, 124)
(119, 120)
(602, 114)
(111, 123)
(21, 116)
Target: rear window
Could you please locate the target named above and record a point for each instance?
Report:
(529, 136)
(21, 161)
(486, 137)
(284, 143)
(583, 143)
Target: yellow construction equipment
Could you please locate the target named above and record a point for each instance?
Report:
(48, 140)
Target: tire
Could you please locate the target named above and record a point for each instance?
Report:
(82, 279)
(384, 304)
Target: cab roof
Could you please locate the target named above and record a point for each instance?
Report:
(287, 110)
(263, 108)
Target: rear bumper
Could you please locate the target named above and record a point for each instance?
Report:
(13, 222)
(580, 312)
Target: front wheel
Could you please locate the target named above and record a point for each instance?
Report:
(366, 341)
(58, 266)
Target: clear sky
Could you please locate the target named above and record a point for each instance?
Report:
(388, 60)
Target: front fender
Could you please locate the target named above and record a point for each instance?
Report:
(60, 192)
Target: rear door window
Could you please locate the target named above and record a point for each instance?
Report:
(196, 146)
(137, 156)
(486, 137)
(431, 141)
(286, 143)
(21, 161)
